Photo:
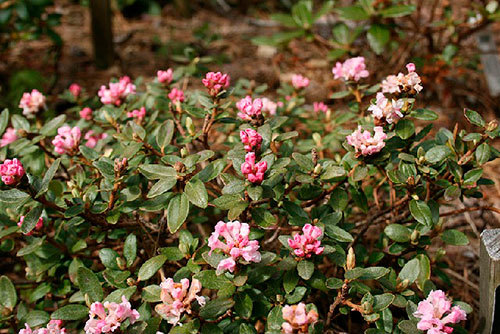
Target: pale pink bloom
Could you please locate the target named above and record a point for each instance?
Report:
(75, 89)
(253, 172)
(107, 317)
(165, 77)
(391, 84)
(117, 91)
(53, 327)
(297, 319)
(139, 114)
(410, 82)
(299, 81)
(31, 103)
(67, 140)
(216, 82)
(8, 137)
(353, 69)
(280, 104)
(86, 113)
(251, 139)
(38, 226)
(11, 171)
(307, 244)
(176, 95)
(237, 244)
(320, 106)
(177, 299)
(364, 143)
(93, 139)
(432, 310)
(269, 106)
(384, 109)
(249, 108)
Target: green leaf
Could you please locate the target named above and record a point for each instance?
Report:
(290, 280)
(210, 280)
(31, 219)
(334, 283)
(37, 318)
(89, 153)
(305, 269)
(303, 161)
(374, 273)
(455, 237)
(70, 312)
(4, 120)
(408, 327)
(437, 154)
(421, 212)
(8, 295)
(355, 13)
(332, 172)
(275, 319)
(243, 305)
(116, 296)
(12, 196)
(425, 270)
(284, 19)
(108, 258)
(483, 153)
(381, 302)
(338, 233)
(49, 175)
(51, 126)
(378, 36)
(89, 284)
(162, 186)
(398, 233)
(474, 117)
(151, 267)
(130, 249)
(196, 193)
(177, 212)
(410, 271)
(154, 172)
(397, 11)
(165, 134)
(424, 115)
(215, 308)
(405, 128)
(340, 95)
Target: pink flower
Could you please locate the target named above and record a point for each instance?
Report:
(253, 172)
(307, 244)
(410, 82)
(237, 244)
(107, 317)
(75, 89)
(139, 114)
(320, 106)
(251, 139)
(353, 69)
(299, 81)
(176, 95)
(384, 109)
(364, 143)
(297, 319)
(249, 108)
(165, 77)
(67, 140)
(31, 103)
(86, 113)
(431, 313)
(38, 225)
(53, 327)
(216, 82)
(269, 106)
(92, 139)
(117, 91)
(11, 171)
(8, 137)
(177, 299)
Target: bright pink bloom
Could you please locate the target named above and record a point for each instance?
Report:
(139, 114)
(107, 317)
(75, 89)
(117, 91)
(307, 244)
(216, 82)
(92, 139)
(67, 140)
(176, 95)
(431, 313)
(165, 77)
(364, 143)
(384, 109)
(251, 139)
(11, 171)
(177, 299)
(8, 137)
(31, 103)
(253, 172)
(320, 106)
(86, 113)
(53, 327)
(38, 225)
(237, 244)
(269, 106)
(299, 81)
(297, 319)
(410, 82)
(249, 108)
(353, 69)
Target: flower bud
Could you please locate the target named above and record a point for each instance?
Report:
(317, 138)
(351, 259)
(415, 197)
(131, 281)
(492, 125)
(190, 126)
(184, 152)
(415, 235)
(279, 298)
(402, 285)
(317, 169)
(367, 307)
(121, 263)
(184, 248)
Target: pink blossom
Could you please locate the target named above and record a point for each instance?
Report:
(300, 81)
(75, 89)
(249, 108)
(92, 139)
(431, 313)
(165, 77)
(31, 103)
(353, 69)
(176, 95)
(297, 319)
(86, 113)
(320, 106)
(67, 140)
(8, 137)
(307, 244)
(11, 171)
(38, 225)
(364, 143)
(269, 106)
(387, 110)
(139, 114)
(117, 91)
(251, 139)
(410, 82)
(177, 298)
(253, 172)
(237, 244)
(53, 327)
(216, 82)
(107, 317)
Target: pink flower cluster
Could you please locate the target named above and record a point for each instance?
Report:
(117, 91)
(387, 110)
(67, 140)
(353, 69)
(31, 103)
(253, 172)
(216, 82)
(320, 106)
(138, 114)
(431, 313)
(165, 77)
(307, 244)
(8, 137)
(269, 106)
(53, 327)
(410, 82)
(11, 171)
(101, 321)
(93, 139)
(176, 95)
(297, 319)
(38, 226)
(249, 108)
(300, 81)
(364, 143)
(75, 90)
(86, 113)
(251, 139)
(236, 244)
(177, 298)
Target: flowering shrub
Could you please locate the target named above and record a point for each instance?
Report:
(150, 209)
